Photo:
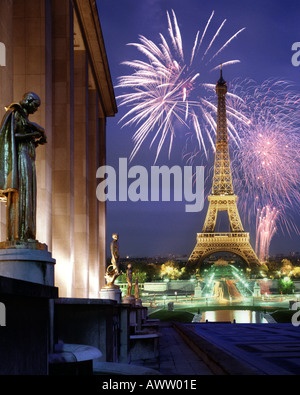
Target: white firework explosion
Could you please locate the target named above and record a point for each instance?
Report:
(162, 85)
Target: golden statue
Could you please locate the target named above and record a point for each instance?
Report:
(136, 288)
(115, 256)
(112, 271)
(129, 279)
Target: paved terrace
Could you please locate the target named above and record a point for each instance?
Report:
(227, 349)
(176, 357)
(240, 349)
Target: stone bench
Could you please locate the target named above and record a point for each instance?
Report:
(73, 359)
(144, 346)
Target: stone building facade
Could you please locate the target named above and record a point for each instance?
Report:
(55, 48)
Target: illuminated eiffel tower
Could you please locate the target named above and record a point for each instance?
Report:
(222, 198)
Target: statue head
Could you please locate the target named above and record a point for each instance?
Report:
(115, 236)
(30, 102)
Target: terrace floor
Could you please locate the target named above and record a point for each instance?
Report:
(225, 348)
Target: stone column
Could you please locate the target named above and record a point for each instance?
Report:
(93, 126)
(102, 205)
(63, 145)
(81, 196)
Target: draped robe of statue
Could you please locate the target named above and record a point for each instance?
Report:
(18, 140)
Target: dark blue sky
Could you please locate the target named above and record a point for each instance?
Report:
(264, 49)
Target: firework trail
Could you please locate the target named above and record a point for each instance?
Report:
(266, 166)
(265, 230)
(162, 85)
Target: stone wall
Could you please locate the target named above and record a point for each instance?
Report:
(25, 340)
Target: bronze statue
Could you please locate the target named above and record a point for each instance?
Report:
(129, 280)
(112, 271)
(136, 288)
(18, 140)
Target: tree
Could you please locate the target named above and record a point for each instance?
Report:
(171, 270)
(286, 285)
(263, 269)
(273, 269)
(296, 272)
(141, 276)
(153, 271)
(287, 267)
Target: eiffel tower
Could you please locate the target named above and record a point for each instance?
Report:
(222, 198)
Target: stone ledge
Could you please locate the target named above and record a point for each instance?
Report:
(144, 336)
(27, 264)
(11, 286)
(83, 301)
(27, 245)
(26, 254)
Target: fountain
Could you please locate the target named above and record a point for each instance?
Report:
(224, 281)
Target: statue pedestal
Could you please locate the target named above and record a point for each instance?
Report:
(138, 302)
(197, 292)
(129, 300)
(111, 294)
(29, 261)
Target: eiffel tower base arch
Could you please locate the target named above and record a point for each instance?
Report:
(236, 243)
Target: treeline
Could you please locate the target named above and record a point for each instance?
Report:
(154, 271)
(176, 270)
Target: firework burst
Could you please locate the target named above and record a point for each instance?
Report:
(265, 230)
(265, 166)
(161, 88)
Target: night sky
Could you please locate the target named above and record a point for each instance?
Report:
(264, 51)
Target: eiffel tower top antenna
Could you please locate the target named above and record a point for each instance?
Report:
(221, 80)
